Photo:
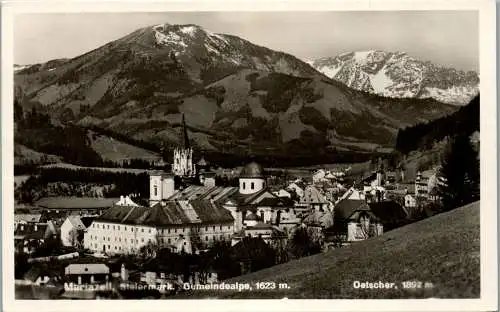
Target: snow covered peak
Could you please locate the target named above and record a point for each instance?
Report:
(396, 74)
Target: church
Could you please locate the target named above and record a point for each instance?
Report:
(183, 165)
(198, 215)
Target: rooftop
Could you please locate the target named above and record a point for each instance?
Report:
(86, 268)
(76, 202)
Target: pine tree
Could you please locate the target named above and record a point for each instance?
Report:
(460, 170)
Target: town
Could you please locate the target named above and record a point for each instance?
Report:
(194, 229)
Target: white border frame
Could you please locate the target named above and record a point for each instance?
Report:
(488, 136)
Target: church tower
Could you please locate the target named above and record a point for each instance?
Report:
(183, 155)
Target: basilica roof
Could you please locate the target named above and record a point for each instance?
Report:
(173, 213)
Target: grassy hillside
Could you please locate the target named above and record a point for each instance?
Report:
(24, 155)
(442, 250)
(117, 151)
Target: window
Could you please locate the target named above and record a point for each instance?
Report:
(93, 225)
(115, 247)
(228, 227)
(103, 238)
(175, 231)
(244, 185)
(156, 190)
(131, 229)
(252, 185)
(168, 231)
(113, 227)
(149, 240)
(142, 240)
(162, 241)
(206, 238)
(169, 240)
(109, 239)
(142, 230)
(97, 225)
(118, 228)
(108, 226)
(149, 230)
(109, 246)
(120, 239)
(213, 228)
(206, 228)
(221, 227)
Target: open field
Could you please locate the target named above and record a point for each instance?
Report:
(114, 150)
(442, 251)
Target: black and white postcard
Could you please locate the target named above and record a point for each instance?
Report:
(156, 155)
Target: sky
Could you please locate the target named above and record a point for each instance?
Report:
(447, 38)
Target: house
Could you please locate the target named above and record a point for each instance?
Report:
(29, 237)
(410, 201)
(39, 276)
(27, 218)
(390, 214)
(354, 220)
(72, 230)
(282, 193)
(287, 220)
(314, 200)
(321, 219)
(319, 175)
(267, 232)
(207, 178)
(297, 187)
(87, 273)
(422, 183)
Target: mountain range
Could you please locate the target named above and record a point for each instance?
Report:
(398, 75)
(237, 97)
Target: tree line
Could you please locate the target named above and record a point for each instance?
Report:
(424, 135)
(115, 183)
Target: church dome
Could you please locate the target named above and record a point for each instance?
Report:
(252, 170)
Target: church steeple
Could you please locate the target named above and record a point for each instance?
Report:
(185, 138)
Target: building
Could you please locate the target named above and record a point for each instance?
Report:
(389, 213)
(161, 187)
(24, 218)
(354, 220)
(319, 175)
(87, 273)
(72, 230)
(410, 201)
(314, 200)
(29, 237)
(183, 156)
(297, 188)
(65, 205)
(282, 193)
(422, 183)
(125, 229)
